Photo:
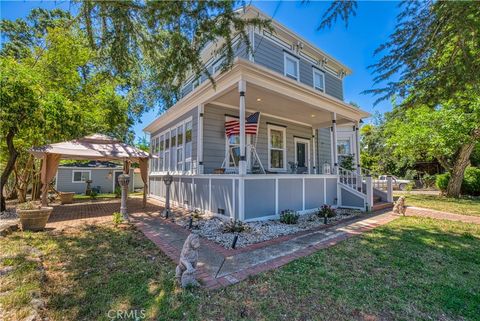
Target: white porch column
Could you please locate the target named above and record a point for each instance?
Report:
(242, 168)
(369, 192)
(334, 143)
(389, 189)
(200, 140)
(357, 147)
(314, 150)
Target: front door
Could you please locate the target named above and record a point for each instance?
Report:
(302, 155)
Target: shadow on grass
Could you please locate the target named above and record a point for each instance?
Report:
(100, 269)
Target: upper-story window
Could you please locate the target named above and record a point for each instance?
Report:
(318, 79)
(291, 66)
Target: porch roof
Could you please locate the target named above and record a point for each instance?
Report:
(267, 92)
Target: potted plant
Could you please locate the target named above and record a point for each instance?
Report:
(66, 197)
(33, 217)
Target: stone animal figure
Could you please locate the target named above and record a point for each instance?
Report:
(185, 271)
(399, 207)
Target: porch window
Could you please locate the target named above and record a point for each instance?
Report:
(160, 153)
(156, 149)
(166, 161)
(276, 148)
(233, 151)
(180, 148)
(188, 146)
(80, 176)
(343, 147)
(173, 148)
(291, 66)
(318, 79)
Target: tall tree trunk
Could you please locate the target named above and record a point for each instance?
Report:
(458, 170)
(12, 157)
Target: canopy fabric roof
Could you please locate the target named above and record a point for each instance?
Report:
(97, 146)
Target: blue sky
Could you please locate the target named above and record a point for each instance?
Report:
(353, 46)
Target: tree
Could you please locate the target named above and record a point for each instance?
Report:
(435, 52)
(54, 93)
(156, 45)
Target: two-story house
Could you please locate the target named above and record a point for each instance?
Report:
(263, 139)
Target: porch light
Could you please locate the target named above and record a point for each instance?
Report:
(313, 116)
(259, 99)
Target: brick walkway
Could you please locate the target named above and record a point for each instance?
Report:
(426, 212)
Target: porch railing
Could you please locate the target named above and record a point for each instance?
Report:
(352, 179)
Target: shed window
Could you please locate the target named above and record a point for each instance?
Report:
(80, 176)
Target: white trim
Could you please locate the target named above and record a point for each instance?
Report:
(201, 109)
(232, 209)
(89, 168)
(210, 194)
(303, 194)
(286, 56)
(276, 39)
(318, 71)
(276, 197)
(284, 149)
(303, 141)
(81, 171)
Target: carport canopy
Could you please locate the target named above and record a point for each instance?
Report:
(92, 147)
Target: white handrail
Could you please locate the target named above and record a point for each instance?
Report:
(352, 179)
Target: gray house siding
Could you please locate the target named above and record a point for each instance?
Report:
(192, 113)
(215, 142)
(102, 177)
(324, 148)
(271, 55)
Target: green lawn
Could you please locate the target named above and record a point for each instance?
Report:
(463, 205)
(410, 269)
(104, 195)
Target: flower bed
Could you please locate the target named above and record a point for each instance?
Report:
(213, 227)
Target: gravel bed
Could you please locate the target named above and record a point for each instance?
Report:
(9, 214)
(211, 227)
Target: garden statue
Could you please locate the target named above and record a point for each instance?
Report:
(399, 207)
(187, 266)
(123, 181)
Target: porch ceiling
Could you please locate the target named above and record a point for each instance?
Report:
(273, 103)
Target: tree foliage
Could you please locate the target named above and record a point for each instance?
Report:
(156, 45)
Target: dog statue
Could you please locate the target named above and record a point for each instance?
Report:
(185, 271)
(399, 207)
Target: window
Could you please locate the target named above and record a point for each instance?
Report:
(188, 146)
(277, 156)
(160, 153)
(343, 147)
(81, 176)
(180, 148)
(233, 145)
(166, 161)
(173, 150)
(291, 66)
(318, 80)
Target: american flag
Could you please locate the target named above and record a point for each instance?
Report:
(232, 125)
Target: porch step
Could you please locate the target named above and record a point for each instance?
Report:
(378, 206)
(377, 199)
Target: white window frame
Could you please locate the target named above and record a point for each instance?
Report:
(180, 164)
(284, 149)
(171, 153)
(317, 71)
(248, 151)
(81, 171)
(286, 56)
(339, 139)
(189, 159)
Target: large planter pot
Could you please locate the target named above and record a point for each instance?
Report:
(66, 197)
(34, 220)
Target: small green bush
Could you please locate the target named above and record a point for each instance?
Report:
(93, 194)
(442, 181)
(118, 192)
(289, 217)
(326, 210)
(471, 181)
(29, 206)
(470, 184)
(235, 226)
(117, 218)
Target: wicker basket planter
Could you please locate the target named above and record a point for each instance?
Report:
(66, 197)
(34, 220)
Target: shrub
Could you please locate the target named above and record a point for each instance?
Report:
(28, 206)
(289, 217)
(235, 226)
(471, 181)
(442, 181)
(118, 192)
(470, 184)
(93, 194)
(326, 210)
(117, 218)
(428, 180)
